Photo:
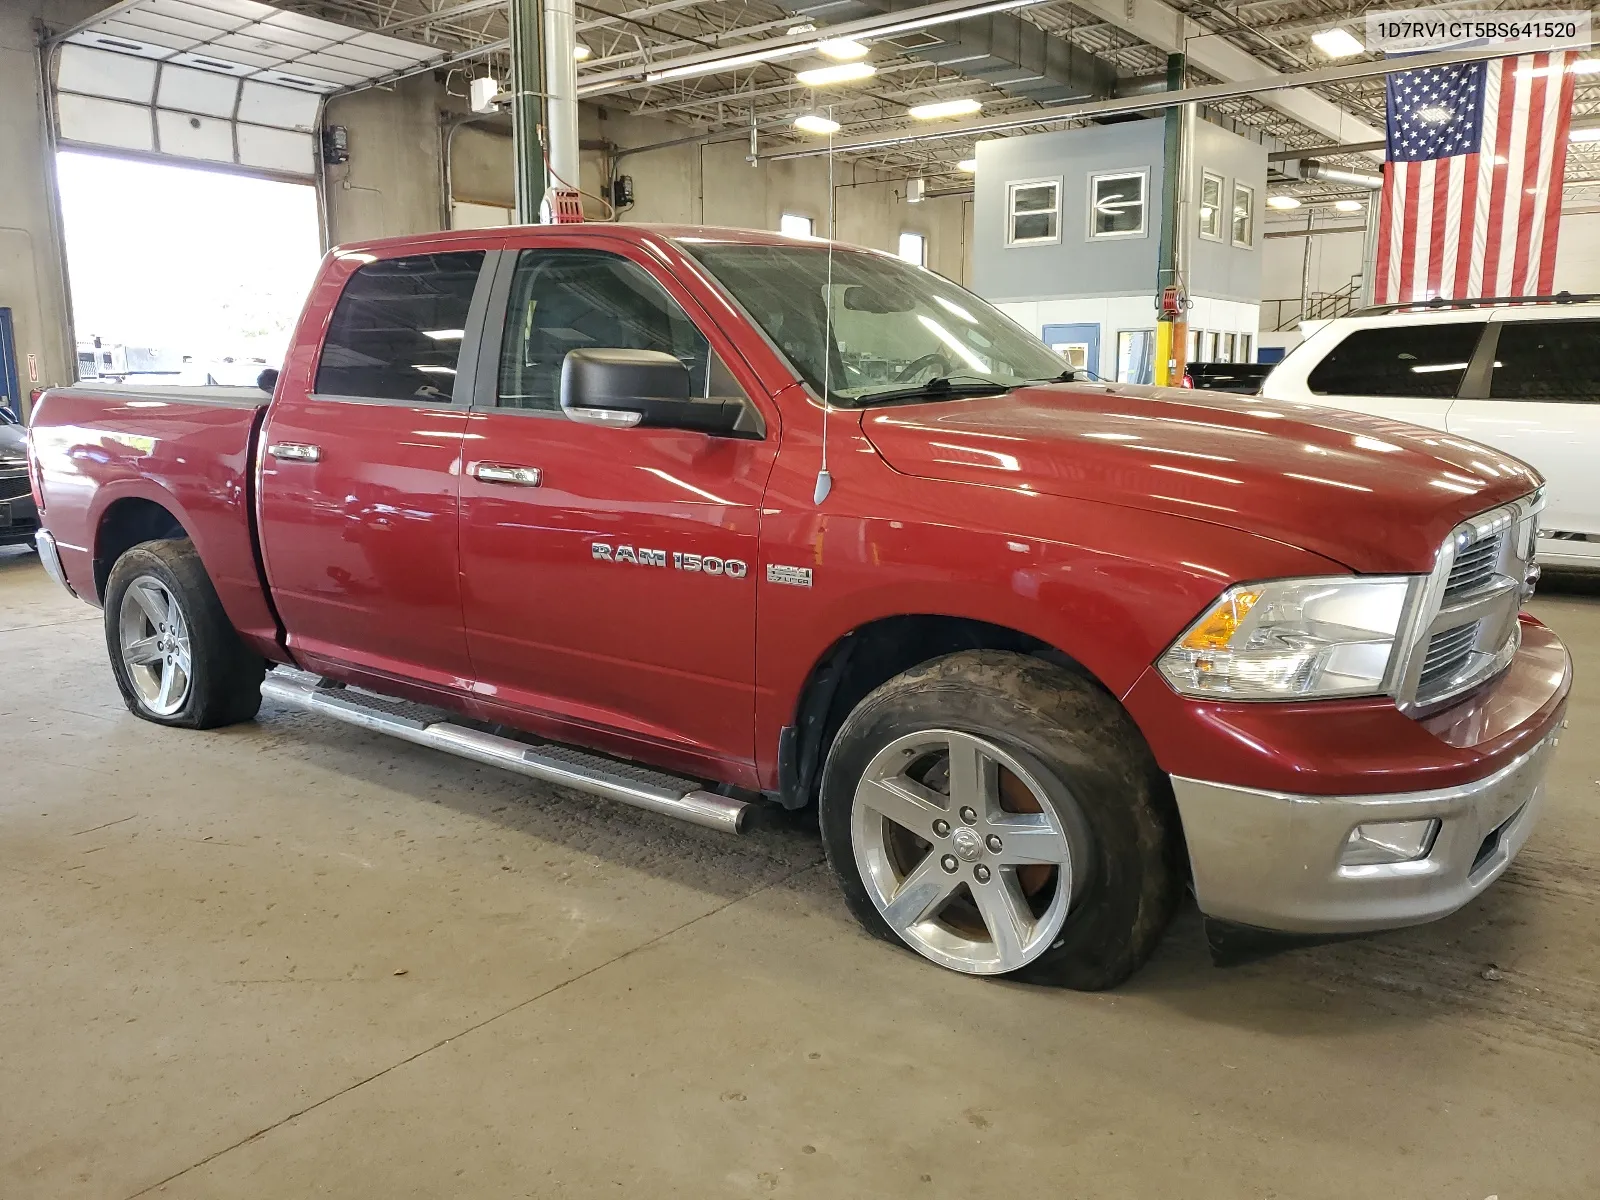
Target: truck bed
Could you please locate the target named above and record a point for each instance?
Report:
(116, 461)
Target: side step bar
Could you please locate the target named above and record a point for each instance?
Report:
(564, 766)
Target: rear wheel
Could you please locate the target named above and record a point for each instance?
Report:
(176, 658)
(1000, 815)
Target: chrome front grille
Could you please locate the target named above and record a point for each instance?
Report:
(13, 483)
(1465, 629)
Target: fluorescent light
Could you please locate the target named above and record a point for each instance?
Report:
(842, 49)
(943, 108)
(969, 165)
(1585, 66)
(815, 123)
(1337, 43)
(445, 335)
(803, 27)
(581, 52)
(1348, 205)
(842, 73)
(1283, 202)
(1591, 134)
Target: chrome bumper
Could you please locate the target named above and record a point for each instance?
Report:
(1272, 860)
(51, 559)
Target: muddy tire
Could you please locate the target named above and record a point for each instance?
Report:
(1001, 815)
(176, 657)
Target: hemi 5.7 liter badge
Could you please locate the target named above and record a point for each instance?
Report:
(706, 564)
(793, 576)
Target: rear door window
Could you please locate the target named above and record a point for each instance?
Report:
(1547, 360)
(1427, 360)
(396, 332)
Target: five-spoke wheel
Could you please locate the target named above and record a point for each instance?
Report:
(155, 645)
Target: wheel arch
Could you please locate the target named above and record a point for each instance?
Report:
(869, 655)
(124, 523)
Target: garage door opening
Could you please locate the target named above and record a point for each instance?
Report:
(183, 275)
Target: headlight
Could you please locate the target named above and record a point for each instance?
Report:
(1291, 639)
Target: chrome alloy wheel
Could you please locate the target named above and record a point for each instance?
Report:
(965, 852)
(154, 639)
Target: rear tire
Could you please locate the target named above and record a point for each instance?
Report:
(175, 655)
(1032, 833)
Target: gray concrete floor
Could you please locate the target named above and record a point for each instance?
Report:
(289, 959)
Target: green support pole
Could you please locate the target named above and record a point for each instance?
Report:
(1171, 327)
(527, 107)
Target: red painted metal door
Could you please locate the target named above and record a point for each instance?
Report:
(618, 590)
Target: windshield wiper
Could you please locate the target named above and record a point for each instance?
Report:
(938, 389)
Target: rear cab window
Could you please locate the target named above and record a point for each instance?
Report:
(397, 330)
(1426, 360)
(1547, 360)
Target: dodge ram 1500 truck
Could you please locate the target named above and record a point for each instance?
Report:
(698, 518)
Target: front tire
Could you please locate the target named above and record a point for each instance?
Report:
(1000, 815)
(176, 657)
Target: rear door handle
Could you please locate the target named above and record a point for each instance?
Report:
(295, 452)
(504, 473)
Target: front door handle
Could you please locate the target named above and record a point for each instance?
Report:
(295, 452)
(503, 473)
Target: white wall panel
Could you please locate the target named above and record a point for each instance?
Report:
(102, 73)
(189, 136)
(105, 122)
(276, 149)
(197, 91)
(283, 108)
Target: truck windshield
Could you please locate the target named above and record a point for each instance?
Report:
(878, 330)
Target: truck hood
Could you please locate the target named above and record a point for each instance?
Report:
(1369, 493)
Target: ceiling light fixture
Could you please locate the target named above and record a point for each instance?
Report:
(840, 73)
(815, 123)
(1283, 202)
(1591, 134)
(712, 64)
(803, 27)
(1337, 43)
(943, 108)
(969, 165)
(1585, 66)
(1348, 205)
(581, 52)
(842, 49)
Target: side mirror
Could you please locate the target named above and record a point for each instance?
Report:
(267, 380)
(648, 388)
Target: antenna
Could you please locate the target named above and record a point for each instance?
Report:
(825, 480)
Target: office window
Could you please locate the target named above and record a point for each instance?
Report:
(1033, 211)
(1245, 347)
(1211, 187)
(1244, 215)
(1136, 356)
(795, 225)
(1116, 205)
(1192, 350)
(914, 248)
(1230, 348)
(397, 329)
(1211, 336)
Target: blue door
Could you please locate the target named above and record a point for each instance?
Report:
(10, 389)
(1078, 343)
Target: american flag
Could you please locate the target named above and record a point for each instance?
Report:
(1472, 190)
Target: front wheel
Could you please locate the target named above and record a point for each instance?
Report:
(1000, 815)
(176, 658)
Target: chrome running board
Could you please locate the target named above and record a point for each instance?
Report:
(564, 766)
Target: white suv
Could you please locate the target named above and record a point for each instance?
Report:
(1524, 378)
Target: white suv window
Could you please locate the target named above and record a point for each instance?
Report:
(1400, 360)
(1547, 360)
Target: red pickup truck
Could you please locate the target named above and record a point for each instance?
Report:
(699, 519)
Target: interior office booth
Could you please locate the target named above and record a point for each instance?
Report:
(1066, 232)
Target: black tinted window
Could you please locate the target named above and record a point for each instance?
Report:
(1408, 360)
(1547, 360)
(565, 300)
(396, 332)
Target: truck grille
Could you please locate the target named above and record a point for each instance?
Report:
(1467, 629)
(13, 483)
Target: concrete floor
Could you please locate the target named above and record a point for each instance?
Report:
(289, 959)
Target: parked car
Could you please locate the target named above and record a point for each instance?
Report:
(1041, 651)
(1523, 378)
(1243, 378)
(19, 519)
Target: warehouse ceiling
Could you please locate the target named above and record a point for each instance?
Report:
(1023, 58)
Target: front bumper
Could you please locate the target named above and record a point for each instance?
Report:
(1272, 860)
(19, 519)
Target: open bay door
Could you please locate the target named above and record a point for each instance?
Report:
(232, 82)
